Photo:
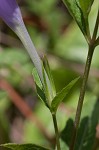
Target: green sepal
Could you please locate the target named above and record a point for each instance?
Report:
(61, 95)
(39, 86)
(47, 87)
(48, 71)
(24, 146)
(41, 95)
(37, 78)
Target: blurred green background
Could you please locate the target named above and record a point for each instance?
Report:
(23, 117)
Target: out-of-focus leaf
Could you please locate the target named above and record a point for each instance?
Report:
(88, 126)
(63, 145)
(24, 147)
(61, 95)
(86, 132)
(66, 134)
(2, 94)
(76, 12)
(82, 133)
(39, 8)
(13, 56)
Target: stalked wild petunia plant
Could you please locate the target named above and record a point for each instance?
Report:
(73, 136)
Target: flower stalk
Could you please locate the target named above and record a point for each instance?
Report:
(81, 96)
(56, 131)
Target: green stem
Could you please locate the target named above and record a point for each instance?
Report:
(56, 131)
(81, 96)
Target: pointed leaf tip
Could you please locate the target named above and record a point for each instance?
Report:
(62, 94)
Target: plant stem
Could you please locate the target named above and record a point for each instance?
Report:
(56, 131)
(81, 96)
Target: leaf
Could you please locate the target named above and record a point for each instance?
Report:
(36, 78)
(24, 146)
(86, 132)
(48, 71)
(87, 137)
(63, 145)
(66, 134)
(84, 125)
(77, 14)
(89, 132)
(61, 95)
(41, 95)
(39, 86)
(86, 6)
(47, 87)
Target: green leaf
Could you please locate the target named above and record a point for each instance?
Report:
(41, 95)
(39, 86)
(86, 132)
(36, 78)
(61, 95)
(24, 146)
(66, 134)
(63, 145)
(87, 137)
(84, 125)
(86, 6)
(47, 87)
(48, 71)
(77, 14)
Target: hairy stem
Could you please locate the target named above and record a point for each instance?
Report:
(56, 131)
(81, 96)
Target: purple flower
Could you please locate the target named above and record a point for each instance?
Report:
(10, 13)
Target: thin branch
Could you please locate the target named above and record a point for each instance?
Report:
(81, 96)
